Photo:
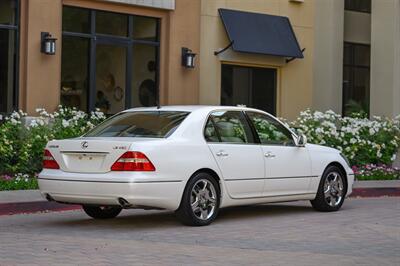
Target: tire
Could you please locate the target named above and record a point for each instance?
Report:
(203, 189)
(102, 212)
(331, 191)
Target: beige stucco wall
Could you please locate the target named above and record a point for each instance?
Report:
(294, 79)
(183, 31)
(40, 74)
(328, 55)
(385, 58)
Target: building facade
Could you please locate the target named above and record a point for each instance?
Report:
(357, 55)
(109, 54)
(117, 54)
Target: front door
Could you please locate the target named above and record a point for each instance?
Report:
(241, 163)
(287, 167)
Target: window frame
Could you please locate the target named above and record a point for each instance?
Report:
(210, 118)
(126, 41)
(16, 28)
(166, 135)
(251, 91)
(292, 134)
(358, 10)
(254, 133)
(352, 65)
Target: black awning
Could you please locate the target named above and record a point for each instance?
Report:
(260, 33)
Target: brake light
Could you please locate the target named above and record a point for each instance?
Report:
(48, 161)
(133, 161)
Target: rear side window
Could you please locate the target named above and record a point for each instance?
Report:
(229, 126)
(146, 124)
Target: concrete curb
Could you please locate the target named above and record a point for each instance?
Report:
(34, 206)
(11, 202)
(375, 192)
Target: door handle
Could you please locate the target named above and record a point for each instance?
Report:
(269, 155)
(221, 154)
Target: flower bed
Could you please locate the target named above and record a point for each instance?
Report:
(18, 182)
(376, 172)
(363, 141)
(22, 144)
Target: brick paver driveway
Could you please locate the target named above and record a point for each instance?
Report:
(365, 232)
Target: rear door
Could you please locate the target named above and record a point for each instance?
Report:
(287, 167)
(240, 160)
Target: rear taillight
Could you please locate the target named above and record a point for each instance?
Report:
(133, 161)
(48, 161)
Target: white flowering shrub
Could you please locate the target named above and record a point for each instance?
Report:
(362, 140)
(10, 134)
(21, 146)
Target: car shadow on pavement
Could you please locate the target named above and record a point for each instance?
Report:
(139, 219)
(255, 211)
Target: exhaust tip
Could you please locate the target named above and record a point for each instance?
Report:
(124, 203)
(49, 198)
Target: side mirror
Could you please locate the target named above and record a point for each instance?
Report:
(301, 140)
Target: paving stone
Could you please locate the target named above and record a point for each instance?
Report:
(364, 232)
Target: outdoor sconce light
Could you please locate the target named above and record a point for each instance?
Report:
(188, 58)
(48, 43)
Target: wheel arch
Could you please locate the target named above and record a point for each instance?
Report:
(211, 172)
(341, 168)
(214, 175)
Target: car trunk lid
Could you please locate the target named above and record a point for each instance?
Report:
(89, 155)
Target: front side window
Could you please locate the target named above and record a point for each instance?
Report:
(146, 124)
(231, 127)
(270, 131)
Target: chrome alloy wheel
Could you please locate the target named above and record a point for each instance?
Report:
(203, 199)
(333, 189)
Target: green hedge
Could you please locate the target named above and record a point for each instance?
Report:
(21, 146)
(363, 141)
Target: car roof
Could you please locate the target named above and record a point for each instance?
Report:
(190, 108)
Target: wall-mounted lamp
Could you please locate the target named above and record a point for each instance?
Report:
(188, 58)
(48, 43)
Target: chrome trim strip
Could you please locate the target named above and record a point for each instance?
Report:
(274, 196)
(84, 152)
(106, 181)
(267, 178)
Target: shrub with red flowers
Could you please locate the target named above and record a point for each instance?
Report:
(376, 172)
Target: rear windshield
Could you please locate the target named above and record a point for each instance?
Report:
(147, 124)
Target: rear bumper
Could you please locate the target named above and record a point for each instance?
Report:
(162, 194)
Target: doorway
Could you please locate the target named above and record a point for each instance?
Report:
(251, 86)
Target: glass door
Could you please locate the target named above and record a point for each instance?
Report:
(111, 76)
(251, 86)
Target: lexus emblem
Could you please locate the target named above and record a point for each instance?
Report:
(84, 144)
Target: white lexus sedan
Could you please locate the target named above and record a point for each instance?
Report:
(193, 160)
